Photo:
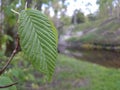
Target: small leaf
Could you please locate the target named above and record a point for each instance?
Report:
(38, 40)
(6, 81)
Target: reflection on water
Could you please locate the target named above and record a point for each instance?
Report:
(102, 57)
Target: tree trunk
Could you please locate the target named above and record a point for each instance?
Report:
(39, 5)
(11, 44)
(29, 2)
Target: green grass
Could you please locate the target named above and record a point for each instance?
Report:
(73, 74)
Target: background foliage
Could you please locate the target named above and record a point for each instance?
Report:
(97, 31)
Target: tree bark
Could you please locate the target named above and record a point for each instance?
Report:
(29, 2)
(11, 44)
(39, 5)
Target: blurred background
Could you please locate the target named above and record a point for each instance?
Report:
(89, 44)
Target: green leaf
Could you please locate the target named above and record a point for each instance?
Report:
(6, 81)
(38, 40)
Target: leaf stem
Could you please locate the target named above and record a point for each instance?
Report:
(15, 11)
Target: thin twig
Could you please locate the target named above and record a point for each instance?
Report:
(11, 57)
(6, 86)
(15, 11)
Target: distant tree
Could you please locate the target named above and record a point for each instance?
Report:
(116, 11)
(37, 3)
(91, 17)
(105, 7)
(109, 8)
(78, 17)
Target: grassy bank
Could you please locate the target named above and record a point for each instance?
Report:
(100, 32)
(72, 74)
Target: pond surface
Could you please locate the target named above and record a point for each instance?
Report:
(101, 57)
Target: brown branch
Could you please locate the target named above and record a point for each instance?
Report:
(11, 57)
(6, 86)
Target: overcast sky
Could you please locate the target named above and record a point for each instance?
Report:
(81, 4)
